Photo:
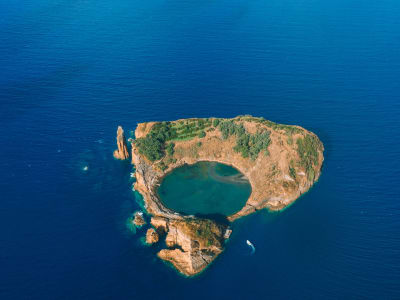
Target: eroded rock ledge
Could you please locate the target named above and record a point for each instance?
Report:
(280, 161)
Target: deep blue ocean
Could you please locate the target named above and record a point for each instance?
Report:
(72, 71)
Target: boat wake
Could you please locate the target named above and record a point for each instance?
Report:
(250, 244)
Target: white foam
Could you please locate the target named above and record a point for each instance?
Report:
(253, 249)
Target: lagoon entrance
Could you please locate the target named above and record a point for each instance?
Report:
(205, 188)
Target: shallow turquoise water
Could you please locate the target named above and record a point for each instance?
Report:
(205, 188)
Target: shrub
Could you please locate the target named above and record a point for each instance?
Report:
(152, 145)
(292, 172)
(202, 134)
(307, 148)
(163, 166)
(229, 127)
(170, 148)
(247, 144)
(251, 145)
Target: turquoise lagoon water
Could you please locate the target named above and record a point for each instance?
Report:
(205, 188)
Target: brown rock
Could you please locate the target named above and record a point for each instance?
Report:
(272, 175)
(195, 244)
(122, 151)
(138, 219)
(151, 236)
(278, 176)
(161, 224)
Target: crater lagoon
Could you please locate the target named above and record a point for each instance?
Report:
(205, 188)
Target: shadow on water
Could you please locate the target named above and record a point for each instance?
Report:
(219, 218)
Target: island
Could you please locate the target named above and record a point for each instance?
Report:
(280, 161)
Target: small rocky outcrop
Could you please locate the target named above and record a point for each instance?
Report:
(122, 151)
(138, 220)
(151, 236)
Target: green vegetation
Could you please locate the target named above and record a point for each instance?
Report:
(170, 160)
(210, 129)
(159, 141)
(292, 172)
(205, 231)
(170, 148)
(229, 127)
(151, 147)
(292, 169)
(249, 145)
(289, 129)
(191, 128)
(307, 148)
(154, 144)
(162, 166)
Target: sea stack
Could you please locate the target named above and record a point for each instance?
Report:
(122, 151)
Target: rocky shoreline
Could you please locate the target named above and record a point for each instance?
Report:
(277, 177)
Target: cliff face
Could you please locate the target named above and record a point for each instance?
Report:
(288, 165)
(122, 151)
(147, 179)
(277, 176)
(192, 243)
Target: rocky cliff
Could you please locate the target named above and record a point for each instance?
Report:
(280, 161)
(192, 243)
(122, 151)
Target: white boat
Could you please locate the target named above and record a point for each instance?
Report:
(253, 249)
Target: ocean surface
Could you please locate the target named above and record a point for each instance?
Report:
(72, 71)
(205, 188)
